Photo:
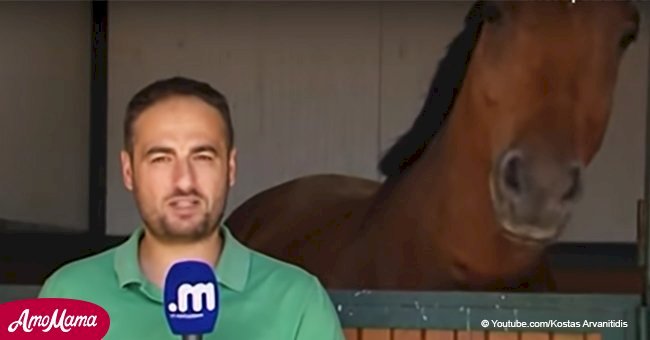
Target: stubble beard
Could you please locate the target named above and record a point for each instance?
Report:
(163, 230)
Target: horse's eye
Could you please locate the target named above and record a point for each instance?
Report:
(628, 38)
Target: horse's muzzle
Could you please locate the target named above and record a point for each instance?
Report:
(534, 194)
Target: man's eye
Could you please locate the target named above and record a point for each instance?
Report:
(204, 157)
(160, 159)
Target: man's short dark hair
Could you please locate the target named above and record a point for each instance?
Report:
(176, 86)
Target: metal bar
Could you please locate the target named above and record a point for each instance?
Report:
(642, 234)
(643, 324)
(643, 327)
(98, 119)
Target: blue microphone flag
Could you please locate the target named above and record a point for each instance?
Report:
(191, 298)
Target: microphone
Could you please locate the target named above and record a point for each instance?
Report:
(191, 299)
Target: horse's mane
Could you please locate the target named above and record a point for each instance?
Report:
(440, 99)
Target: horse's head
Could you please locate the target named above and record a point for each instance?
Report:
(542, 79)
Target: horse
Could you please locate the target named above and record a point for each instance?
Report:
(486, 178)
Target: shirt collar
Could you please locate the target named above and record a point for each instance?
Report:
(231, 271)
(234, 263)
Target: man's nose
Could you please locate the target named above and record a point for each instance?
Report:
(184, 177)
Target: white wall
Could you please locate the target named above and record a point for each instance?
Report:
(615, 180)
(315, 87)
(302, 80)
(44, 104)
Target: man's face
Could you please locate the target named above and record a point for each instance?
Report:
(181, 169)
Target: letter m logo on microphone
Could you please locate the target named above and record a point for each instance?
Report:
(191, 298)
(199, 294)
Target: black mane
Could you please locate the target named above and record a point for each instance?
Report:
(440, 99)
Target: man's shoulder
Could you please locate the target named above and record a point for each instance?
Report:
(300, 296)
(280, 272)
(74, 276)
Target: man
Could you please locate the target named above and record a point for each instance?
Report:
(179, 162)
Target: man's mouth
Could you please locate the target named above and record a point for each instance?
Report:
(185, 206)
(184, 203)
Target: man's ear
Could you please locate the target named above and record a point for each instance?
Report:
(232, 166)
(127, 170)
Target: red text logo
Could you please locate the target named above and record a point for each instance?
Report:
(52, 318)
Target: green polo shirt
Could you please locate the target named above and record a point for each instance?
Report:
(260, 297)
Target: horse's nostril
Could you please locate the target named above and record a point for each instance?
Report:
(574, 185)
(512, 173)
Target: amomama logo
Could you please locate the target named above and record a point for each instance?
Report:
(195, 294)
(52, 318)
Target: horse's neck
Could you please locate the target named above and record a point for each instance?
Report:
(448, 173)
(425, 200)
(443, 202)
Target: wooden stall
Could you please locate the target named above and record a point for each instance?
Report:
(599, 297)
(370, 315)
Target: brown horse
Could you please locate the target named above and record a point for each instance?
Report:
(525, 95)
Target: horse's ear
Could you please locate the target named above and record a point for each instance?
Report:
(485, 11)
(492, 11)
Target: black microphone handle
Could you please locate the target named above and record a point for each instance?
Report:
(192, 337)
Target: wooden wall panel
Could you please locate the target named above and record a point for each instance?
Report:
(471, 335)
(503, 335)
(352, 334)
(412, 45)
(44, 113)
(593, 336)
(408, 334)
(376, 334)
(535, 336)
(568, 336)
(301, 79)
(439, 335)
